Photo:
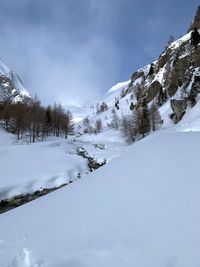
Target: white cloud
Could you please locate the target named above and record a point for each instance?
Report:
(67, 64)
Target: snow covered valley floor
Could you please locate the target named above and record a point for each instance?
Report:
(29, 171)
(141, 209)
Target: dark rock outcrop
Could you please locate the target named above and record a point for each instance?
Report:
(14, 202)
(164, 58)
(11, 86)
(196, 21)
(153, 91)
(93, 164)
(178, 107)
(196, 86)
(135, 76)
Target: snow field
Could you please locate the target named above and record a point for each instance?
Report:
(141, 209)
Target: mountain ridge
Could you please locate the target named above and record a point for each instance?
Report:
(175, 74)
(11, 85)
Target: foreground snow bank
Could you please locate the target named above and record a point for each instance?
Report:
(26, 168)
(141, 209)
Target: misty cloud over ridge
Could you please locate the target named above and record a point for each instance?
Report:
(63, 59)
(72, 51)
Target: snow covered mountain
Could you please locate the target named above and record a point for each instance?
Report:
(11, 86)
(172, 82)
(140, 209)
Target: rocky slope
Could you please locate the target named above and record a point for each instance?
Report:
(11, 86)
(172, 82)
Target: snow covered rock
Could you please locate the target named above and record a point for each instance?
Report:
(173, 79)
(23, 259)
(178, 107)
(11, 86)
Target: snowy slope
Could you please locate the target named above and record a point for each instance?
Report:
(139, 210)
(176, 72)
(119, 86)
(26, 168)
(115, 92)
(109, 98)
(191, 120)
(21, 90)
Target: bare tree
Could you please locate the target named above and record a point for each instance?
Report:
(155, 118)
(86, 122)
(98, 125)
(129, 127)
(31, 117)
(143, 118)
(115, 120)
(68, 125)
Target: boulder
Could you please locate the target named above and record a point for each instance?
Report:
(178, 107)
(153, 91)
(164, 58)
(195, 89)
(179, 72)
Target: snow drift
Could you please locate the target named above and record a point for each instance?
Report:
(141, 209)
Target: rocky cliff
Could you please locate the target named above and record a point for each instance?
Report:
(175, 74)
(172, 82)
(11, 86)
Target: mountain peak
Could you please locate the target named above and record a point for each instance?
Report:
(11, 86)
(196, 21)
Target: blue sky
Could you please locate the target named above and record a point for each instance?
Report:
(73, 51)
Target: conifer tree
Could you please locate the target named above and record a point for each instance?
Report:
(151, 69)
(48, 120)
(129, 128)
(98, 125)
(155, 118)
(195, 37)
(115, 120)
(144, 118)
(162, 97)
(86, 122)
(132, 106)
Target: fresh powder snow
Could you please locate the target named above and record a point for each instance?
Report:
(141, 209)
(29, 167)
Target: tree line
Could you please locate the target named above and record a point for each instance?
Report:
(142, 120)
(31, 118)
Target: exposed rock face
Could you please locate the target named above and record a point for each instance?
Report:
(7, 89)
(173, 71)
(195, 86)
(11, 203)
(153, 91)
(93, 164)
(11, 86)
(135, 76)
(196, 22)
(178, 107)
(175, 78)
(195, 58)
(164, 58)
(179, 73)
